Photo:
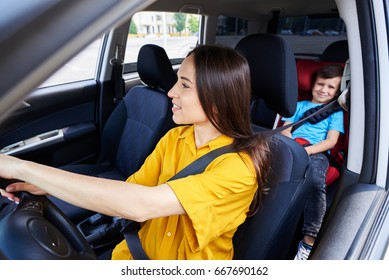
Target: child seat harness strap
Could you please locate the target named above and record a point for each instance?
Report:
(333, 105)
(314, 119)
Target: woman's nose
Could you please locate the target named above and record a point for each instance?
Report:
(172, 92)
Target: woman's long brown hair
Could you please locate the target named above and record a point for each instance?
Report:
(224, 89)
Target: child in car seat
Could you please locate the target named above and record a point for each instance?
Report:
(321, 137)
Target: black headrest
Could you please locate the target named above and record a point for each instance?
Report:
(155, 68)
(336, 52)
(273, 71)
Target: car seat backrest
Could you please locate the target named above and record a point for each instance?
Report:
(270, 234)
(273, 77)
(144, 115)
(336, 52)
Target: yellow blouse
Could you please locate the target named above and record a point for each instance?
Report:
(216, 201)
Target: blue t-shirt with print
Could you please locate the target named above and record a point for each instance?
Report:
(315, 133)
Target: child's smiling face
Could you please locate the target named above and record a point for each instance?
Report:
(325, 90)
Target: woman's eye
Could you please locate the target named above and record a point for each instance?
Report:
(185, 85)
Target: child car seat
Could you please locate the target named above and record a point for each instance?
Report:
(305, 70)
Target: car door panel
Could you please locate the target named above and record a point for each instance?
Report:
(54, 125)
(348, 225)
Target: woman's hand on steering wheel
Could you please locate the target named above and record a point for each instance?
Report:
(11, 190)
(9, 187)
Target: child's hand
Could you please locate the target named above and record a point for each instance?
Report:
(308, 149)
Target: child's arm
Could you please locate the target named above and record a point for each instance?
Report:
(325, 145)
(288, 131)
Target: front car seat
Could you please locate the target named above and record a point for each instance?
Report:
(272, 233)
(134, 127)
(273, 79)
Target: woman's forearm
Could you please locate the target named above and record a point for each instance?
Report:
(111, 197)
(83, 191)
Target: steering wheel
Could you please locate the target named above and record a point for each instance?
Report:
(38, 230)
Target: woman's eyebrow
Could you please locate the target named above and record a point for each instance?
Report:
(186, 79)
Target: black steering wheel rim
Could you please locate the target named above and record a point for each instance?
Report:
(38, 229)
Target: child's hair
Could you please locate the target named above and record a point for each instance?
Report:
(328, 72)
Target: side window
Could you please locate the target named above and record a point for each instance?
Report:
(177, 33)
(309, 36)
(81, 67)
(230, 30)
